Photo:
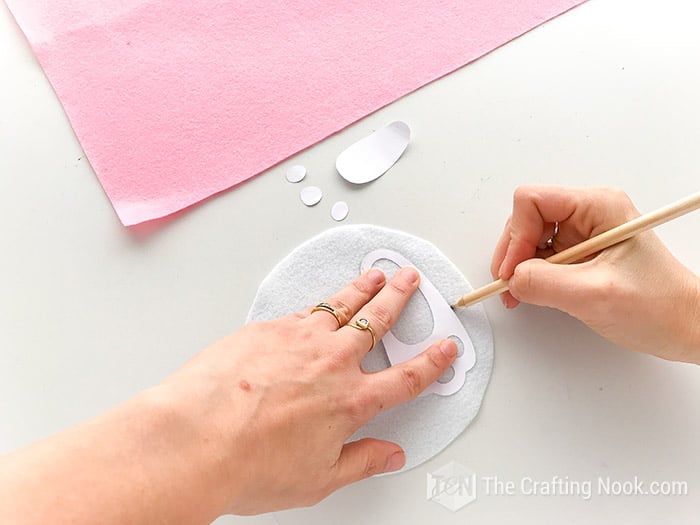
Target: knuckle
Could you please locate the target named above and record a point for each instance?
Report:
(523, 193)
(368, 399)
(335, 361)
(342, 308)
(602, 289)
(630, 208)
(340, 353)
(400, 288)
(362, 286)
(355, 407)
(508, 228)
(412, 381)
(279, 327)
(302, 314)
(522, 278)
(305, 334)
(382, 316)
(371, 467)
(617, 194)
(619, 201)
(337, 403)
(436, 358)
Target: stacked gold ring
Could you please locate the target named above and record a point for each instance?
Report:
(550, 241)
(325, 307)
(363, 325)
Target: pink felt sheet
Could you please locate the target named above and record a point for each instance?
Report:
(176, 101)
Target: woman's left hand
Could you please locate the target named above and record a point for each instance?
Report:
(257, 422)
(280, 399)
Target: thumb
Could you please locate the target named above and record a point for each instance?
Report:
(367, 457)
(561, 286)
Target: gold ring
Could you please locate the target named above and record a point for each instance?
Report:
(550, 241)
(363, 325)
(325, 307)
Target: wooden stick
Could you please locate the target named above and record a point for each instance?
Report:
(595, 244)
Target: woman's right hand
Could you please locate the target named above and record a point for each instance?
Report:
(635, 294)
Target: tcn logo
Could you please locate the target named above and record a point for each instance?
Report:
(452, 486)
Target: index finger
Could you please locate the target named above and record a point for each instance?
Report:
(383, 310)
(533, 208)
(580, 212)
(350, 299)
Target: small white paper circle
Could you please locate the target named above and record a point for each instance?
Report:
(296, 173)
(339, 211)
(311, 195)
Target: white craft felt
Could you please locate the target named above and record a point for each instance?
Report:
(322, 265)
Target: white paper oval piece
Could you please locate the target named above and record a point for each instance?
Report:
(369, 158)
(311, 195)
(339, 211)
(296, 173)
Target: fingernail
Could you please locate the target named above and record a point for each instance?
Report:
(376, 276)
(512, 290)
(449, 348)
(409, 275)
(395, 462)
(500, 269)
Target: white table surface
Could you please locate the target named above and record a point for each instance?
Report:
(609, 93)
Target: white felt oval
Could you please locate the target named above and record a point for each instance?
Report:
(369, 158)
(322, 265)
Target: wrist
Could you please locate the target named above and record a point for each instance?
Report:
(682, 318)
(184, 453)
(692, 330)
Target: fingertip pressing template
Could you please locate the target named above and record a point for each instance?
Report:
(318, 268)
(176, 101)
(445, 324)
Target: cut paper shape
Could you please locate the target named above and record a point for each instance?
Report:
(296, 173)
(176, 101)
(339, 211)
(446, 324)
(311, 195)
(321, 266)
(371, 157)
